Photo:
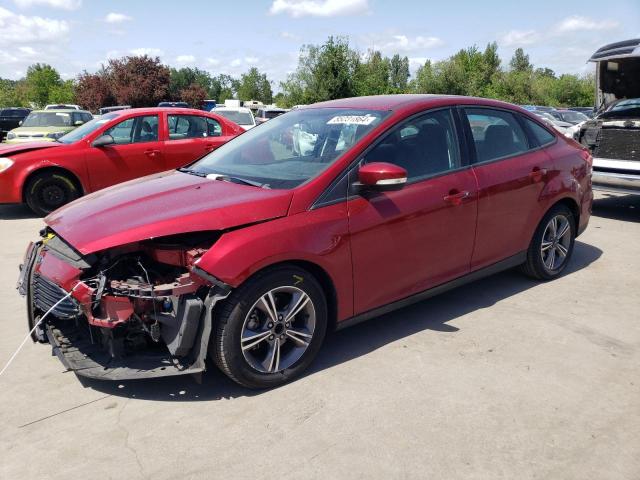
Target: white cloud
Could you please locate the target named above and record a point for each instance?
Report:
(62, 4)
(235, 62)
(399, 43)
(565, 29)
(576, 23)
(251, 60)
(117, 18)
(214, 62)
(520, 38)
(16, 28)
(152, 52)
(185, 59)
(319, 8)
(290, 36)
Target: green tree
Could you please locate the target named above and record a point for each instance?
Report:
(254, 85)
(224, 87)
(324, 72)
(183, 78)
(520, 61)
(372, 76)
(399, 73)
(41, 81)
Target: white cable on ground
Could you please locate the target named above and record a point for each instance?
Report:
(36, 326)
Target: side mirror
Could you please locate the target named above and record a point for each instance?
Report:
(103, 141)
(381, 177)
(77, 123)
(20, 122)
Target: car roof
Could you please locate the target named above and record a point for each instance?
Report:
(60, 110)
(236, 109)
(409, 101)
(155, 110)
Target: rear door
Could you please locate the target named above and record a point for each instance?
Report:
(190, 137)
(407, 241)
(512, 172)
(137, 152)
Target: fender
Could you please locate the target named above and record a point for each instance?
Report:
(44, 164)
(320, 237)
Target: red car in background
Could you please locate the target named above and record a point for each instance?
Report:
(320, 218)
(114, 148)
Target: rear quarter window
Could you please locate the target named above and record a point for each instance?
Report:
(541, 135)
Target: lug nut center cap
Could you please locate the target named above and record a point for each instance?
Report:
(279, 329)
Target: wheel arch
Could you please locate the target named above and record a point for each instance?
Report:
(323, 278)
(52, 169)
(572, 205)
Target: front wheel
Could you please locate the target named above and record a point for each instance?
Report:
(552, 244)
(48, 191)
(271, 328)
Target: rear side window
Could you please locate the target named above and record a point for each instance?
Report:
(541, 135)
(496, 134)
(188, 126)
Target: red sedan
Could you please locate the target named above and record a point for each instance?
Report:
(320, 218)
(116, 147)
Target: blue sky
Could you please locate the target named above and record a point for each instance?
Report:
(229, 37)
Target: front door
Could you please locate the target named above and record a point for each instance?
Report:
(407, 241)
(136, 152)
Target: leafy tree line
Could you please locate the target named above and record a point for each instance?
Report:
(324, 72)
(335, 70)
(139, 81)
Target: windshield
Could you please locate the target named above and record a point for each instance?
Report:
(272, 113)
(628, 108)
(47, 119)
(89, 127)
(573, 117)
(241, 118)
(290, 149)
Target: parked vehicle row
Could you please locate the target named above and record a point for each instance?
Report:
(117, 147)
(318, 219)
(47, 125)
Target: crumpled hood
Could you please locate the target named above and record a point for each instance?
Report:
(164, 204)
(11, 149)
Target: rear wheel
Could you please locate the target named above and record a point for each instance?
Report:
(48, 191)
(552, 244)
(271, 328)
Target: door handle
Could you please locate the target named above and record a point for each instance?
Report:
(537, 174)
(455, 197)
(151, 153)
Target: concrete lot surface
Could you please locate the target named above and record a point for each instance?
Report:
(504, 378)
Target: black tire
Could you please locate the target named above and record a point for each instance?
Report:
(537, 265)
(226, 350)
(48, 191)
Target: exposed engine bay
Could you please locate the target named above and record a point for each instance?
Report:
(131, 311)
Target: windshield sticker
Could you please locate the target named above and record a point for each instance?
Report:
(62, 114)
(352, 120)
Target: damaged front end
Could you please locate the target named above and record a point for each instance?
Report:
(135, 311)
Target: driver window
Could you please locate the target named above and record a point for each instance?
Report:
(424, 146)
(135, 130)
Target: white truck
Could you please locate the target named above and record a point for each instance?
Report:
(613, 136)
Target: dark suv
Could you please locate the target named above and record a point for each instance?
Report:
(10, 118)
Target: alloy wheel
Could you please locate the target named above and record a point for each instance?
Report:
(278, 329)
(556, 241)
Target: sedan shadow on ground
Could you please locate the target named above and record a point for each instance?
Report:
(434, 314)
(618, 207)
(16, 212)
